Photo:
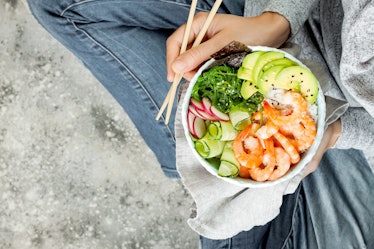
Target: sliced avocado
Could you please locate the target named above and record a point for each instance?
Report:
(250, 59)
(244, 73)
(247, 65)
(248, 89)
(267, 80)
(298, 75)
(262, 60)
(279, 62)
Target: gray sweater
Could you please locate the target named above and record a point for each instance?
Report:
(335, 39)
(338, 35)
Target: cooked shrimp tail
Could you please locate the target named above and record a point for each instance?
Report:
(264, 171)
(288, 147)
(282, 164)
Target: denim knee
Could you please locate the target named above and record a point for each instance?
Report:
(41, 8)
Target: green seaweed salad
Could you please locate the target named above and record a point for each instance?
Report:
(222, 86)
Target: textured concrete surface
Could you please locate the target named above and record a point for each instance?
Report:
(74, 172)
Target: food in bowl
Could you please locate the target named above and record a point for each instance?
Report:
(254, 116)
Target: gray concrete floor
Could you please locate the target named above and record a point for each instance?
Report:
(74, 172)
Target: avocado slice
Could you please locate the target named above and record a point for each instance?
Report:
(285, 62)
(262, 60)
(248, 89)
(298, 75)
(267, 80)
(245, 71)
(250, 59)
(279, 62)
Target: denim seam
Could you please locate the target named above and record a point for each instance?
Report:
(115, 58)
(73, 5)
(293, 217)
(87, 1)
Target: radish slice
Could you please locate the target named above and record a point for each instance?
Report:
(201, 114)
(192, 109)
(207, 104)
(213, 111)
(190, 122)
(197, 104)
(206, 116)
(199, 127)
(218, 114)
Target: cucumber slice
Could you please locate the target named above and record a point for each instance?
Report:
(208, 148)
(223, 131)
(229, 165)
(215, 130)
(227, 169)
(228, 154)
(240, 119)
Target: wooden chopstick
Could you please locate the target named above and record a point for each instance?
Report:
(169, 100)
(182, 50)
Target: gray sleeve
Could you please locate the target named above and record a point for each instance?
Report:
(357, 76)
(295, 11)
(357, 130)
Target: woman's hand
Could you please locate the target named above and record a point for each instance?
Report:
(329, 139)
(268, 29)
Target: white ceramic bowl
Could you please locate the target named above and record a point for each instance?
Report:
(306, 157)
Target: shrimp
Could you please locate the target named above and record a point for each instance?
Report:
(282, 164)
(244, 172)
(296, 101)
(302, 134)
(298, 105)
(288, 147)
(247, 148)
(258, 117)
(307, 134)
(265, 170)
(267, 130)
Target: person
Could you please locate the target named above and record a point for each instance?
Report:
(132, 48)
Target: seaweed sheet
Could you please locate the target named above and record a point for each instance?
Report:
(232, 55)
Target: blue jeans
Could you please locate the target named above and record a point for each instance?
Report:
(332, 208)
(122, 43)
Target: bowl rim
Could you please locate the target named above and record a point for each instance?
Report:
(244, 182)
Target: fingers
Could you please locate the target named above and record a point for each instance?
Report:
(188, 62)
(173, 48)
(193, 57)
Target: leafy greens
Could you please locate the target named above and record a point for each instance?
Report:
(222, 86)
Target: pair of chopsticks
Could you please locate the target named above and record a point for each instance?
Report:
(169, 99)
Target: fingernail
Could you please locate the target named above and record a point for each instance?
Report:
(169, 78)
(178, 66)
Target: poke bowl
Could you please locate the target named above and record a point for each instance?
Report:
(253, 117)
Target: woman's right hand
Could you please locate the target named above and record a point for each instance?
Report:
(268, 29)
